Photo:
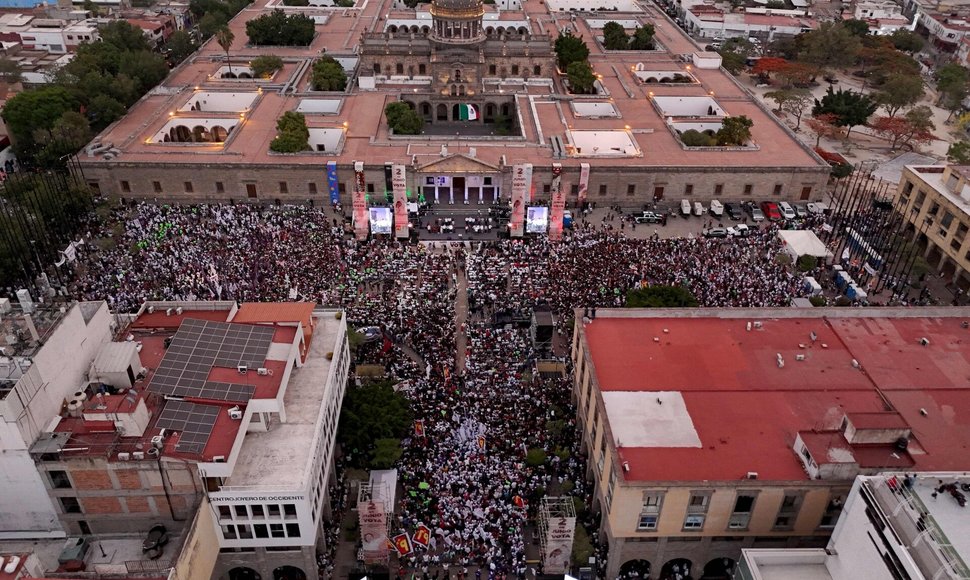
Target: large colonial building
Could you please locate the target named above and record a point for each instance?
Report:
(484, 78)
(713, 431)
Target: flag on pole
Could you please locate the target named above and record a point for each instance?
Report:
(467, 112)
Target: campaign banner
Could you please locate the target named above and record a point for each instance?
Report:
(332, 183)
(402, 543)
(419, 428)
(373, 531)
(583, 182)
(481, 442)
(399, 185)
(559, 545)
(558, 203)
(521, 181)
(361, 221)
(422, 535)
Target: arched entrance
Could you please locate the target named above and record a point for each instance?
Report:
(442, 112)
(719, 569)
(677, 569)
(634, 569)
(242, 573)
(288, 573)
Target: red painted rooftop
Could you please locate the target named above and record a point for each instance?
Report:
(747, 411)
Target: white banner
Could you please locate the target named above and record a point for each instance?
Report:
(361, 219)
(558, 203)
(399, 186)
(583, 181)
(521, 182)
(559, 545)
(373, 531)
(528, 180)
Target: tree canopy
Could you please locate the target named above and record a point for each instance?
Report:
(403, 119)
(570, 49)
(369, 414)
(792, 101)
(660, 297)
(280, 29)
(581, 78)
(959, 152)
(915, 126)
(831, 45)
(34, 110)
(898, 91)
(907, 41)
(734, 131)
(850, 108)
(265, 65)
(328, 75)
(616, 38)
(952, 83)
(292, 134)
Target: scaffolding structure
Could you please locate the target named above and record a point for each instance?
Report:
(554, 514)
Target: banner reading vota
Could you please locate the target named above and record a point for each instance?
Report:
(530, 190)
(558, 203)
(559, 545)
(583, 182)
(373, 531)
(521, 180)
(361, 223)
(399, 185)
(332, 183)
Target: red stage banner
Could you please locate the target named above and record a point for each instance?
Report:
(361, 219)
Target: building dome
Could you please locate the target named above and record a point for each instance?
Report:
(457, 21)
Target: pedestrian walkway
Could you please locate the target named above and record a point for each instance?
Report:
(461, 320)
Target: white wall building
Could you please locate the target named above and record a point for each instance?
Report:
(34, 383)
(893, 526)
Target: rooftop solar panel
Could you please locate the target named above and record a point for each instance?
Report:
(193, 422)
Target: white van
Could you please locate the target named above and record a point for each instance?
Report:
(787, 211)
(698, 208)
(685, 207)
(717, 208)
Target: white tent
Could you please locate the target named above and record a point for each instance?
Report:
(803, 242)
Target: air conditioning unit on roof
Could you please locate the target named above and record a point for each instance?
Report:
(124, 456)
(235, 413)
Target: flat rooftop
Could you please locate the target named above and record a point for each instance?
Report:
(280, 457)
(365, 136)
(746, 408)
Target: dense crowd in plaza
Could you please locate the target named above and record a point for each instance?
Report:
(466, 477)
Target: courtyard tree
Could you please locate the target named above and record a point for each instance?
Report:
(402, 119)
(581, 78)
(952, 83)
(265, 66)
(695, 138)
(823, 125)
(850, 108)
(180, 46)
(792, 101)
(907, 41)
(767, 65)
(856, 27)
(734, 131)
(642, 38)
(328, 75)
(614, 36)
(959, 152)
(570, 49)
(915, 127)
(829, 46)
(292, 134)
(368, 415)
(278, 28)
(225, 38)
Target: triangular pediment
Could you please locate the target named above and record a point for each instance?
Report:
(458, 163)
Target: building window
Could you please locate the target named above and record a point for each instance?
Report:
(59, 480)
(689, 189)
(289, 511)
(370, 188)
(276, 530)
(650, 511)
(610, 489)
(832, 512)
(284, 187)
(546, 188)
(245, 532)
(292, 530)
(125, 187)
(741, 516)
(312, 188)
(421, 69)
(694, 522)
(157, 186)
(261, 530)
(377, 68)
(224, 512)
(574, 189)
(188, 187)
(273, 510)
(515, 70)
(220, 188)
(251, 190)
(719, 189)
(241, 511)
(778, 188)
(491, 69)
(631, 189)
(229, 532)
(399, 68)
(602, 189)
(699, 501)
(537, 70)
(748, 188)
(806, 192)
(70, 505)
(647, 522)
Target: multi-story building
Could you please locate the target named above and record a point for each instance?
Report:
(197, 398)
(709, 431)
(935, 202)
(485, 83)
(894, 525)
(708, 21)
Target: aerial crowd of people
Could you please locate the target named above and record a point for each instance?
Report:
(497, 434)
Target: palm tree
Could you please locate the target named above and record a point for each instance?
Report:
(225, 38)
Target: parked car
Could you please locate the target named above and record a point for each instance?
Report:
(698, 208)
(771, 211)
(755, 213)
(734, 210)
(817, 207)
(685, 207)
(739, 231)
(649, 217)
(787, 211)
(716, 233)
(717, 208)
(800, 210)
